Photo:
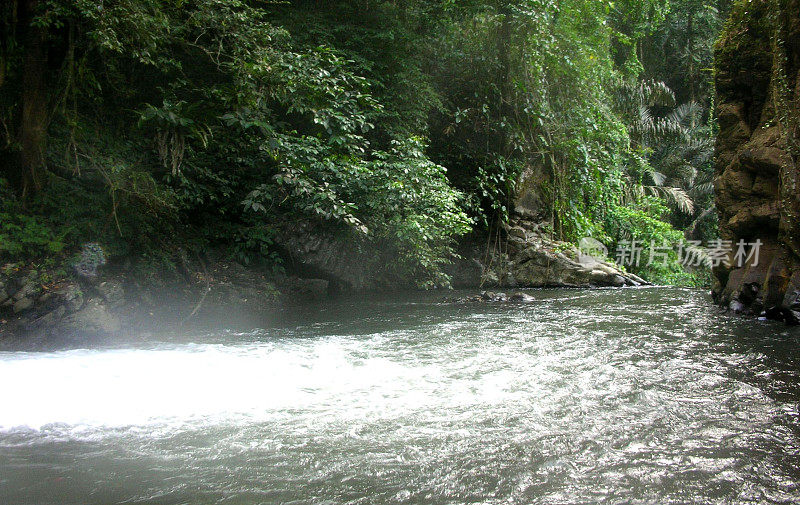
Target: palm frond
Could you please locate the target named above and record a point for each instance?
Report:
(687, 114)
(702, 189)
(656, 93)
(674, 196)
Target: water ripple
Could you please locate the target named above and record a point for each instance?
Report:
(613, 396)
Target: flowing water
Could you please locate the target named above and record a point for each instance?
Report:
(614, 396)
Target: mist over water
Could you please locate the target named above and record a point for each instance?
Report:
(618, 396)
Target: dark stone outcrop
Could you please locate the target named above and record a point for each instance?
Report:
(39, 310)
(758, 89)
(340, 257)
(523, 256)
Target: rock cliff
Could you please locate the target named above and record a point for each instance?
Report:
(758, 96)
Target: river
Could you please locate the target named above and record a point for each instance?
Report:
(614, 396)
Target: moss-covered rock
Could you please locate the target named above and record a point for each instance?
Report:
(757, 173)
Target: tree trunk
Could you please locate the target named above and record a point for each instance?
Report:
(504, 73)
(8, 23)
(33, 121)
(690, 52)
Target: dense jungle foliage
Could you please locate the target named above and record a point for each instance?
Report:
(158, 126)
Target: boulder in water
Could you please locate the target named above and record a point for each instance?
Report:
(491, 296)
(521, 298)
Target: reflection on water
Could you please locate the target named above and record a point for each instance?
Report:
(620, 396)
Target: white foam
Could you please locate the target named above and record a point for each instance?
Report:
(120, 388)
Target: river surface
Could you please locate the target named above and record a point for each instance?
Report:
(610, 396)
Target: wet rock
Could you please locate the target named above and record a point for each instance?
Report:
(94, 317)
(491, 296)
(72, 296)
(749, 293)
(22, 305)
(736, 307)
(112, 292)
(794, 301)
(772, 313)
(632, 282)
(518, 232)
(29, 287)
(617, 281)
(51, 318)
(598, 276)
(638, 280)
(783, 314)
(521, 298)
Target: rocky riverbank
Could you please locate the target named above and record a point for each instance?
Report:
(96, 300)
(119, 300)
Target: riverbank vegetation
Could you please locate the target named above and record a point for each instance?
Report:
(157, 127)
